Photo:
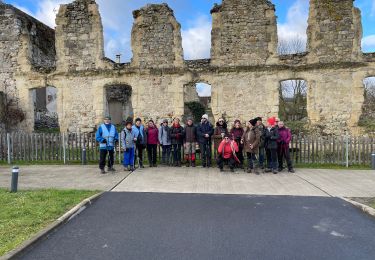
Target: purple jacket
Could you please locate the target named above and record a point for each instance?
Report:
(285, 137)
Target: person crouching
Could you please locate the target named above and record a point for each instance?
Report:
(227, 153)
(128, 140)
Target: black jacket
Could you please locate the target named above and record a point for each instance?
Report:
(177, 135)
(271, 138)
(204, 129)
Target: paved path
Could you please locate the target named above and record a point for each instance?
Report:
(62, 177)
(206, 226)
(306, 182)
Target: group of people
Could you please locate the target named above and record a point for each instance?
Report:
(266, 146)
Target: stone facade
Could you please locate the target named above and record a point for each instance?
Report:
(244, 33)
(245, 72)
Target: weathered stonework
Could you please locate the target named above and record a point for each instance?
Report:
(244, 32)
(334, 31)
(156, 38)
(244, 72)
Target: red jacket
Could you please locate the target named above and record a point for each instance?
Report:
(226, 149)
(152, 135)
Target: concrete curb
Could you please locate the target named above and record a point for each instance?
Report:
(366, 209)
(50, 228)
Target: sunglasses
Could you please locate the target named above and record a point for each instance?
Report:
(221, 121)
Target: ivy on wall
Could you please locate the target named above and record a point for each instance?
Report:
(196, 109)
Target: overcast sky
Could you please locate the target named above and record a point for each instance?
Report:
(195, 19)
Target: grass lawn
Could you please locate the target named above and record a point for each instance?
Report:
(25, 213)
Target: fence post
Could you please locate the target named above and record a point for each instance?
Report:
(14, 183)
(347, 151)
(119, 149)
(64, 148)
(373, 160)
(9, 149)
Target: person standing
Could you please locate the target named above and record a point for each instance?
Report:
(205, 131)
(190, 140)
(251, 140)
(262, 129)
(152, 134)
(128, 140)
(177, 132)
(283, 147)
(165, 142)
(106, 136)
(220, 131)
(237, 132)
(139, 133)
(227, 153)
(272, 135)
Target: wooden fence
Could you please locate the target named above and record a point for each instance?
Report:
(69, 147)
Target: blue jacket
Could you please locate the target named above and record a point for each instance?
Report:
(140, 134)
(100, 137)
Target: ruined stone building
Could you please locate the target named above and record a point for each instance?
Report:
(244, 67)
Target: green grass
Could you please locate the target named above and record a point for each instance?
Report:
(25, 213)
(331, 166)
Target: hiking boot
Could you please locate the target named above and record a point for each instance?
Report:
(256, 171)
(111, 169)
(268, 170)
(231, 170)
(102, 171)
(132, 169)
(187, 164)
(274, 171)
(178, 164)
(193, 164)
(291, 170)
(249, 170)
(221, 169)
(155, 165)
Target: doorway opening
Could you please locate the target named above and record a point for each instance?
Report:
(197, 100)
(118, 102)
(45, 109)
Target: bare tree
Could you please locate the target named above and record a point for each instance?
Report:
(291, 46)
(293, 99)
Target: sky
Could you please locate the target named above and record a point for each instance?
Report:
(195, 19)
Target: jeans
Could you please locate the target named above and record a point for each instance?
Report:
(283, 152)
(103, 156)
(272, 159)
(205, 154)
(129, 157)
(176, 153)
(166, 154)
(252, 160)
(151, 152)
(261, 157)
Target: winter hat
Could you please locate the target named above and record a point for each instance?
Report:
(205, 116)
(108, 117)
(128, 122)
(188, 119)
(253, 122)
(271, 121)
(165, 120)
(259, 119)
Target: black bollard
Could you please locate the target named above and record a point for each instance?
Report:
(14, 184)
(373, 161)
(84, 161)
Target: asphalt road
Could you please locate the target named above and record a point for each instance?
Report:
(195, 226)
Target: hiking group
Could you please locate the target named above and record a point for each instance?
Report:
(265, 146)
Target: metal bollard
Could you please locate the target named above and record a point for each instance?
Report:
(373, 161)
(84, 161)
(14, 184)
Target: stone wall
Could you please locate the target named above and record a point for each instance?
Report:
(334, 31)
(244, 72)
(79, 36)
(156, 38)
(25, 45)
(244, 32)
